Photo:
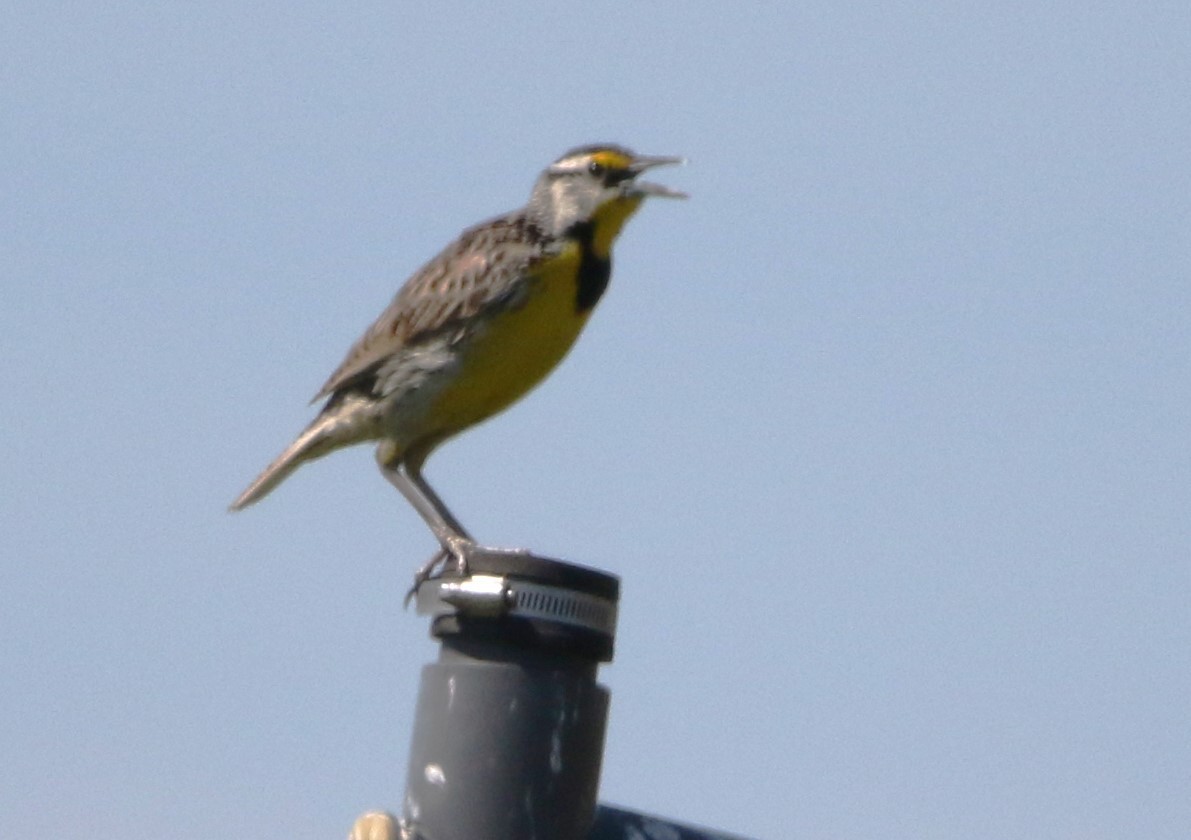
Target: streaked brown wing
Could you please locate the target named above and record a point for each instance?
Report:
(485, 266)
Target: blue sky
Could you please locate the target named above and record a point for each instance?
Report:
(885, 430)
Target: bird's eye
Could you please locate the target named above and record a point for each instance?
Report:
(595, 168)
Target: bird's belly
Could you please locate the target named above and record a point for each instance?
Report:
(503, 359)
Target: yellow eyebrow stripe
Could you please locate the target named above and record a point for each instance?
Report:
(612, 160)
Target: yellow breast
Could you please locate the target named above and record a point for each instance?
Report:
(515, 350)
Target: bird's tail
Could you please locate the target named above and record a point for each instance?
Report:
(317, 440)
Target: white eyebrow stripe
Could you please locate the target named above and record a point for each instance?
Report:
(575, 164)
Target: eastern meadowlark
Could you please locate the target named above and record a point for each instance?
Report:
(475, 329)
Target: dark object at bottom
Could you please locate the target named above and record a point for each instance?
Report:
(509, 733)
(619, 824)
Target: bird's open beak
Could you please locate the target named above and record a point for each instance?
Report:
(634, 188)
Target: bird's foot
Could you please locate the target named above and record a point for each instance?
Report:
(454, 557)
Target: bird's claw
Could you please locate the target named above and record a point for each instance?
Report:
(442, 557)
(454, 556)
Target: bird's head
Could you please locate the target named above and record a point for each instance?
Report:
(597, 186)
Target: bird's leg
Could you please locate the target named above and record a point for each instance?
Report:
(440, 519)
(405, 474)
(451, 535)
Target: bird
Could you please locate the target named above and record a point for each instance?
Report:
(474, 330)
